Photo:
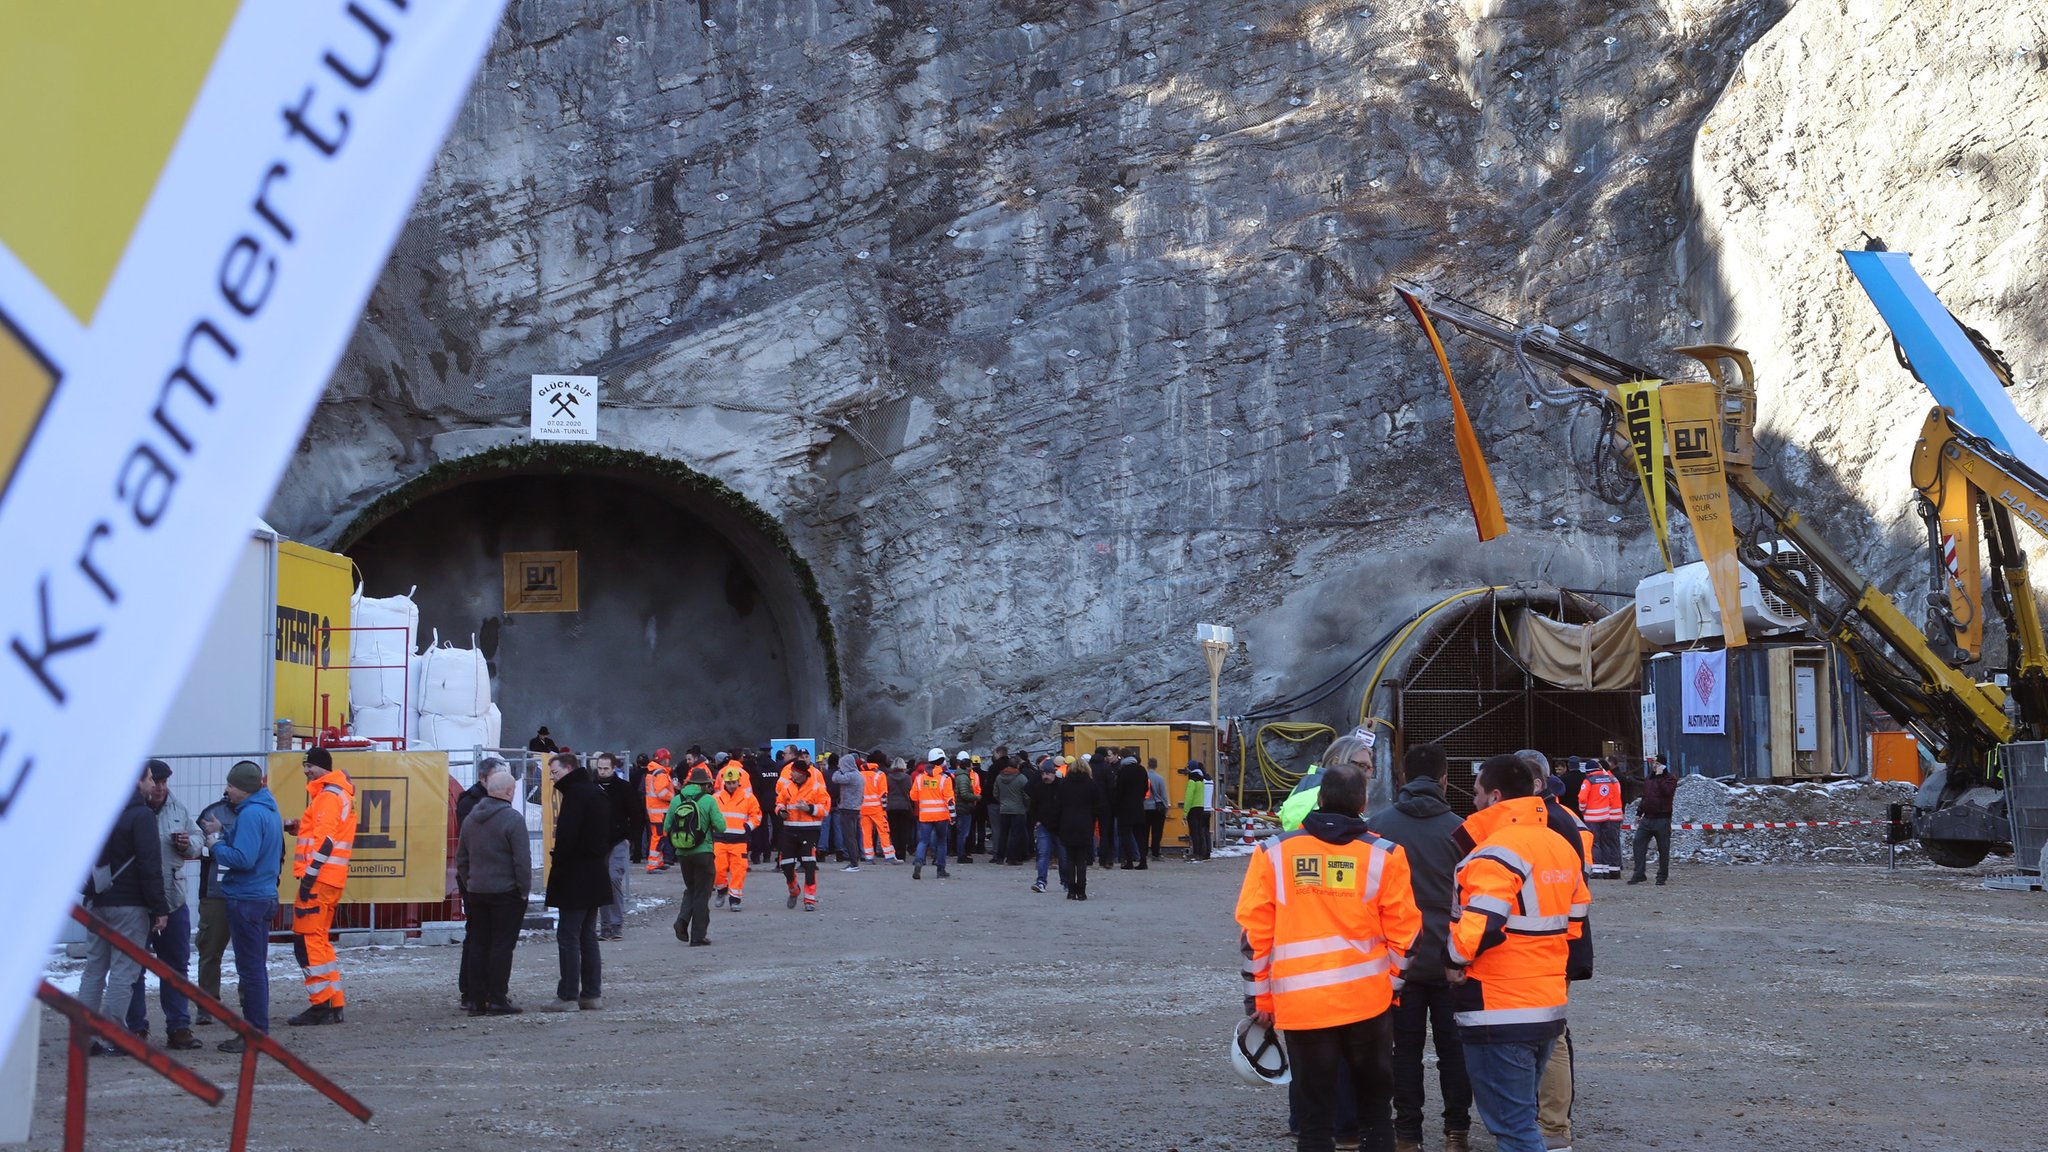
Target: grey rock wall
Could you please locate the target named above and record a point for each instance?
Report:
(1050, 330)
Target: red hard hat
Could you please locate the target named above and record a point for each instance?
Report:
(661, 753)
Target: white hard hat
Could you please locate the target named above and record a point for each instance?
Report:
(960, 755)
(1259, 1055)
(935, 754)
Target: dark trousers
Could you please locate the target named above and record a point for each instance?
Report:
(1606, 847)
(694, 919)
(1074, 869)
(1130, 841)
(249, 931)
(1155, 827)
(1319, 1057)
(173, 946)
(576, 952)
(1198, 833)
(1105, 840)
(487, 945)
(1426, 1008)
(1013, 841)
(213, 942)
(1656, 828)
(902, 831)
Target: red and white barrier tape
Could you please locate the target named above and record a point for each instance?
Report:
(1766, 824)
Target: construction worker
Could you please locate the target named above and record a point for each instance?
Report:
(327, 836)
(1521, 899)
(1560, 1076)
(1600, 808)
(802, 802)
(1307, 794)
(1328, 919)
(932, 791)
(660, 790)
(874, 815)
(966, 793)
(742, 813)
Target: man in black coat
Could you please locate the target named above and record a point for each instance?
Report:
(1079, 804)
(1131, 786)
(1426, 829)
(1042, 816)
(577, 883)
(629, 827)
(127, 891)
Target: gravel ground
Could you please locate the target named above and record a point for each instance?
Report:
(1765, 1007)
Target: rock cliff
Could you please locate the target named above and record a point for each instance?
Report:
(1047, 330)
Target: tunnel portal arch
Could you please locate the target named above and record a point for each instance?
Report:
(699, 622)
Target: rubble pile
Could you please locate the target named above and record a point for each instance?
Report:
(1701, 800)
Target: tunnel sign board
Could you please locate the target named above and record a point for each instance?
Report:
(565, 407)
(540, 582)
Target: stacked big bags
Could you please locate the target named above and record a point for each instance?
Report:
(377, 695)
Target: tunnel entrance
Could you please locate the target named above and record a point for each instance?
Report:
(1462, 687)
(696, 623)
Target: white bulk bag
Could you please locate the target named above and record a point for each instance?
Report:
(380, 723)
(454, 682)
(452, 733)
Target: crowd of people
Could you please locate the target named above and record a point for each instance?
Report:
(1368, 938)
(715, 816)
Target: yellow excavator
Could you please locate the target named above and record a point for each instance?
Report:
(1914, 674)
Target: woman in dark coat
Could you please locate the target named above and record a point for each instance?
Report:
(1131, 786)
(579, 881)
(1079, 802)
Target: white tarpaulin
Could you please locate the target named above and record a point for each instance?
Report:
(194, 203)
(1703, 686)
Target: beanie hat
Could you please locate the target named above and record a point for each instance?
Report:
(245, 776)
(319, 758)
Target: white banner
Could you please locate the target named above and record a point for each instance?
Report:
(192, 214)
(564, 408)
(1649, 724)
(1705, 691)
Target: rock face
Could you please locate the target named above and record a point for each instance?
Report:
(1048, 330)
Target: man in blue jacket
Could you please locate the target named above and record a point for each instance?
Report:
(249, 857)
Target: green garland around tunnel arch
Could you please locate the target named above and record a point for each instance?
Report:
(574, 459)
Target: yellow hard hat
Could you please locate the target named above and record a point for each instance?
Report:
(733, 775)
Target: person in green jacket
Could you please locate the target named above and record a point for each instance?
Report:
(1195, 802)
(1355, 748)
(692, 819)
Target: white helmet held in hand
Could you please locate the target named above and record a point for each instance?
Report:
(1259, 1055)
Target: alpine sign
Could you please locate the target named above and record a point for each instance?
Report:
(565, 407)
(192, 212)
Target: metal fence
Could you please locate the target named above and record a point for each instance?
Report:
(2025, 766)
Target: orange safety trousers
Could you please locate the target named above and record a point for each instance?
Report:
(874, 830)
(654, 863)
(314, 946)
(729, 868)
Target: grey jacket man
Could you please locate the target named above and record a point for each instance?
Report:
(492, 854)
(1426, 829)
(848, 791)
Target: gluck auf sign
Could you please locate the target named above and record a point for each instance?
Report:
(564, 408)
(195, 199)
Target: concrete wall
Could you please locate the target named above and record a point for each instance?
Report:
(678, 640)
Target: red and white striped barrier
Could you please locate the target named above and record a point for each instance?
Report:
(1766, 824)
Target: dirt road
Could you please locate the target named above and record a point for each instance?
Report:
(1740, 1008)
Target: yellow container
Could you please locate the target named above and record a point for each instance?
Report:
(1172, 743)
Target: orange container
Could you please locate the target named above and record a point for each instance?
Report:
(1895, 756)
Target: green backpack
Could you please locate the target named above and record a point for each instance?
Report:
(689, 826)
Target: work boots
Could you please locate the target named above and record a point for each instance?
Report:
(1457, 1142)
(1405, 1144)
(316, 1014)
(718, 897)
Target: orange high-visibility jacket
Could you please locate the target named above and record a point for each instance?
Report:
(327, 830)
(1327, 924)
(874, 787)
(742, 812)
(803, 805)
(1522, 899)
(1600, 797)
(932, 792)
(661, 788)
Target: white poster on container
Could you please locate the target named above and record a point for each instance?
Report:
(1704, 688)
(565, 407)
(195, 200)
(1649, 725)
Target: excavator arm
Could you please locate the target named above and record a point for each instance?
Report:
(1958, 718)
